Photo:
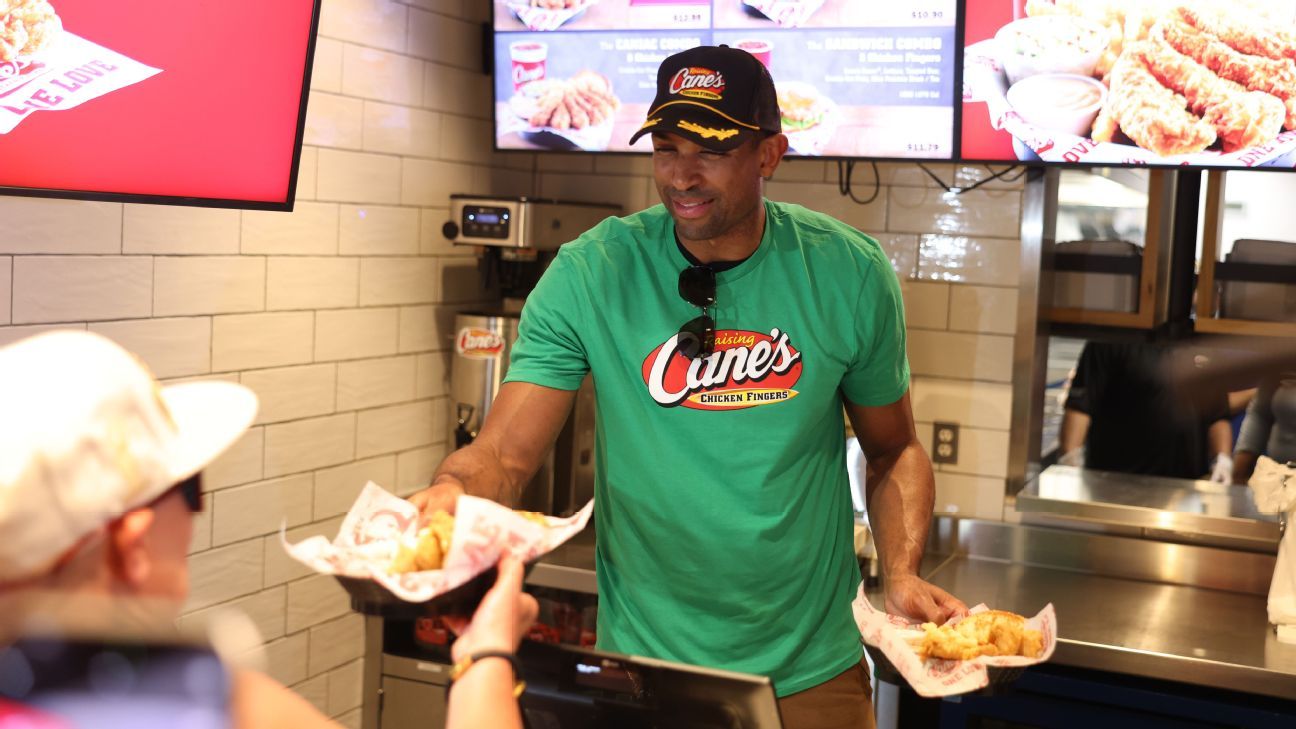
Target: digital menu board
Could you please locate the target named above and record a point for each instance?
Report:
(854, 79)
(154, 100)
(1196, 83)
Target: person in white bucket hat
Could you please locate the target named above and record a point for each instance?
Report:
(100, 476)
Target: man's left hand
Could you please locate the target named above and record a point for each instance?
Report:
(914, 597)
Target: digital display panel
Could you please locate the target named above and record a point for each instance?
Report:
(1194, 83)
(154, 100)
(855, 79)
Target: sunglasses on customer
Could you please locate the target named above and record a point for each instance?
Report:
(697, 285)
(190, 490)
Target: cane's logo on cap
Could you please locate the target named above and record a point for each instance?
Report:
(700, 83)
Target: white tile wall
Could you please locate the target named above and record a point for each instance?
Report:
(356, 333)
(382, 76)
(187, 285)
(365, 22)
(313, 600)
(962, 259)
(983, 309)
(973, 496)
(970, 404)
(9, 335)
(249, 341)
(265, 608)
(358, 177)
(286, 658)
(291, 393)
(306, 174)
(395, 129)
(335, 121)
(310, 229)
(85, 288)
(337, 488)
(241, 463)
(200, 539)
(445, 40)
(315, 691)
(376, 230)
(374, 382)
(457, 90)
(170, 347)
(397, 427)
(326, 73)
(981, 453)
(59, 226)
(960, 356)
(303, 445)
(6, 287)
(419, 329)
(433, 377)
(243, 512)
(430, 182)
(302, 282)
(169, 229)
(926, 305)
(387, 281)
(224, 573)
(335, 642)
(345, 686)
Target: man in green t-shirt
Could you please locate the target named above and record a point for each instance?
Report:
(725, 334)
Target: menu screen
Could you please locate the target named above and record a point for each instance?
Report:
(153, 98)
(854, 79)
(1136, 82)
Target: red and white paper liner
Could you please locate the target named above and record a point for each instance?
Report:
(371, 532)
(938, 676)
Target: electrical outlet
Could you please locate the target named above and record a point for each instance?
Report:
(945, 438)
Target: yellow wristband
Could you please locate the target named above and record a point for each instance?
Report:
(467, 662)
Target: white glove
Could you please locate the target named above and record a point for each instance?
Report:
(1074, 458)
(1222, 471)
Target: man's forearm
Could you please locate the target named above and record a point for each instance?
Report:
(478, 469)
(901, 491)
(1220, 438)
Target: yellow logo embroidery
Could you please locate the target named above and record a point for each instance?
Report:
(707, 133)
(650, 123)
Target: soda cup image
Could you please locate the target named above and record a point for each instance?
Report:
(528, 61)
(759, 48)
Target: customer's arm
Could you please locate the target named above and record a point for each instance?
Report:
(260, 702)
(482, 697)
(1075, 428)
(900, 490)
(520, 429)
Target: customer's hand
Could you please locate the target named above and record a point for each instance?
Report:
(440, 496)
(1073, 458)
(502, 619)
(913, 597)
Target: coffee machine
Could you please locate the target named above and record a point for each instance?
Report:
(516, 238)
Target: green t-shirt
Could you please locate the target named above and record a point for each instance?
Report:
(721, 496)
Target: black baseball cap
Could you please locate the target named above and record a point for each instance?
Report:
(716, 96)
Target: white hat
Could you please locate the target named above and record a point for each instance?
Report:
(87, 434)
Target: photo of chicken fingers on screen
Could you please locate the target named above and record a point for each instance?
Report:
(1182, 77)
(26, 27)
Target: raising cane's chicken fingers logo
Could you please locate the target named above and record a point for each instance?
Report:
(700, 83)
(747, 369)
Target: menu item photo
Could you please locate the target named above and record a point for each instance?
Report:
(1139, 82)
(26, 26)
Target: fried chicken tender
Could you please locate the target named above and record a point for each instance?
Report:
(431, 544)
(1155, 117)
(26, 26)
(1241, 118)
(584, 100)
(1257, 73)
(1250, 38)
(430, 547)
(989, 633)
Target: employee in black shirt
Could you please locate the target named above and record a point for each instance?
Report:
(1121, 415)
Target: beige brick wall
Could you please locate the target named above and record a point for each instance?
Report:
(338, 314)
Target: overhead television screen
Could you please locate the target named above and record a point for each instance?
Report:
(855, 79)
(1201, 83)
(154, 100)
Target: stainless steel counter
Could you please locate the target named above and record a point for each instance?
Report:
(1171, 611)
(1170, 509)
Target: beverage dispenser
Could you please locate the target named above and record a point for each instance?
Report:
(517, 238)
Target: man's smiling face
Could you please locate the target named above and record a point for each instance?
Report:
(707, 192)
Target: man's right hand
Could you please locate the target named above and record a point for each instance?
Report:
(440, 496)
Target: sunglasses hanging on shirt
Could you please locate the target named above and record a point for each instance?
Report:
(697, 285)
